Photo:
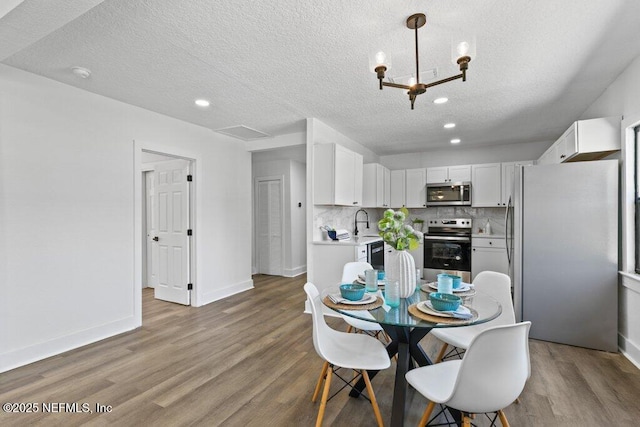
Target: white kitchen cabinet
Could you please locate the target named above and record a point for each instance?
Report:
(398, 188)
(486, 189)
(388, 250)
(376, 186)
(585, 140)
(337, 176)
(459, 173)
(418, 257)
(488, 253)
(416, 188)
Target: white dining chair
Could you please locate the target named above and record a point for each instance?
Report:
(490, 376)
(340, 350)
(350, 272)
(497, 285)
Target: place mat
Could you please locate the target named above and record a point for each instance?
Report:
(428, 289)
(414, 311)
(377, 303)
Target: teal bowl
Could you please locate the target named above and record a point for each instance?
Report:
(444, 302)
(456, 280)
(352, 291)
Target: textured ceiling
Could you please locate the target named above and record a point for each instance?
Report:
(270, 65)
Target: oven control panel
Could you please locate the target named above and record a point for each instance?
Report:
(450, 223)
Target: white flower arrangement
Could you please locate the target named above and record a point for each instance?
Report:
(396, 233)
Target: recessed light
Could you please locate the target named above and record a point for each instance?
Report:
(81, 72)
(202, 103)
(449, 125)
(440, 100)
(455, 141)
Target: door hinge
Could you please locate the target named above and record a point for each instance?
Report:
(189, 232)
(189, 178)
(189, 286)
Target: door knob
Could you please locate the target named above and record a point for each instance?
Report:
(155, 239)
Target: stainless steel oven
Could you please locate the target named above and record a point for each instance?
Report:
(447, 248)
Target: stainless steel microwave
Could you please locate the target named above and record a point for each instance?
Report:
(449, 194)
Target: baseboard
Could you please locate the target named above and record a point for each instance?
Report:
(219, 294)
(16, 358)
(293, 272)
(630, 350)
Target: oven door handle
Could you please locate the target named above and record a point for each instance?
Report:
(448, 238)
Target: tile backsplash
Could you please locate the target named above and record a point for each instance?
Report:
(343, 218)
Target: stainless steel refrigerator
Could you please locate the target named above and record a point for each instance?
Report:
(562, 240)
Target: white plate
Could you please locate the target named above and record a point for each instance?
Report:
(425, 307)
(366, 299)
(464, 287)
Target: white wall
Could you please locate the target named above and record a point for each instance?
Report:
(461, 155)
(319, 133)
(70, 259)
(298, 217)
(622, 98)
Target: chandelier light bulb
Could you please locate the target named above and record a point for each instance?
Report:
(381, 58)
(463, 48)
(412, 81)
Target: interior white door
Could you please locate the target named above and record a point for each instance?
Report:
(172, 199)
(152, 230)
(269, 227)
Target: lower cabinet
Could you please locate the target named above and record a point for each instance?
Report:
(488, 253)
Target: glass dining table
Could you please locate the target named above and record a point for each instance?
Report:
(406, 326)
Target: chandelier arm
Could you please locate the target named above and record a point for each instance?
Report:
(396, 85)
(449, 79)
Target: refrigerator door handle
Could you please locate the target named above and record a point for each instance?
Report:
(506, 230)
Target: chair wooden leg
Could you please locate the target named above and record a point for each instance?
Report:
(325, 396)
(517, 401)
(319, 383)
(372, 397)
(349, 329)
(427, 413)
(466, 421)
(443, 350)
(503, 418)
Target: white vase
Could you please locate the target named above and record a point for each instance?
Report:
(402, 268)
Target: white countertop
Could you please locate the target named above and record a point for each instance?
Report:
(354, 241)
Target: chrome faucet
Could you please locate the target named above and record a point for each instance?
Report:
(355, 221)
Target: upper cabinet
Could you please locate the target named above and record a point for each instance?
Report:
(376, 186)
(398, 189)
(337, 176)
(408, 188)
(492, 183)
(460, 173)
(585, 140)
(416, 188)
(486, 188)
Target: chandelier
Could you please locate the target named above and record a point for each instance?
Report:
(461, 54)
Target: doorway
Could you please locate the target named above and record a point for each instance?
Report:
(269, 217)
(167, 217)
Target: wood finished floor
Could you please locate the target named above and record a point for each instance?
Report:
(249, 361)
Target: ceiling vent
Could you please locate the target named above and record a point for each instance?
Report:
(242, 132)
